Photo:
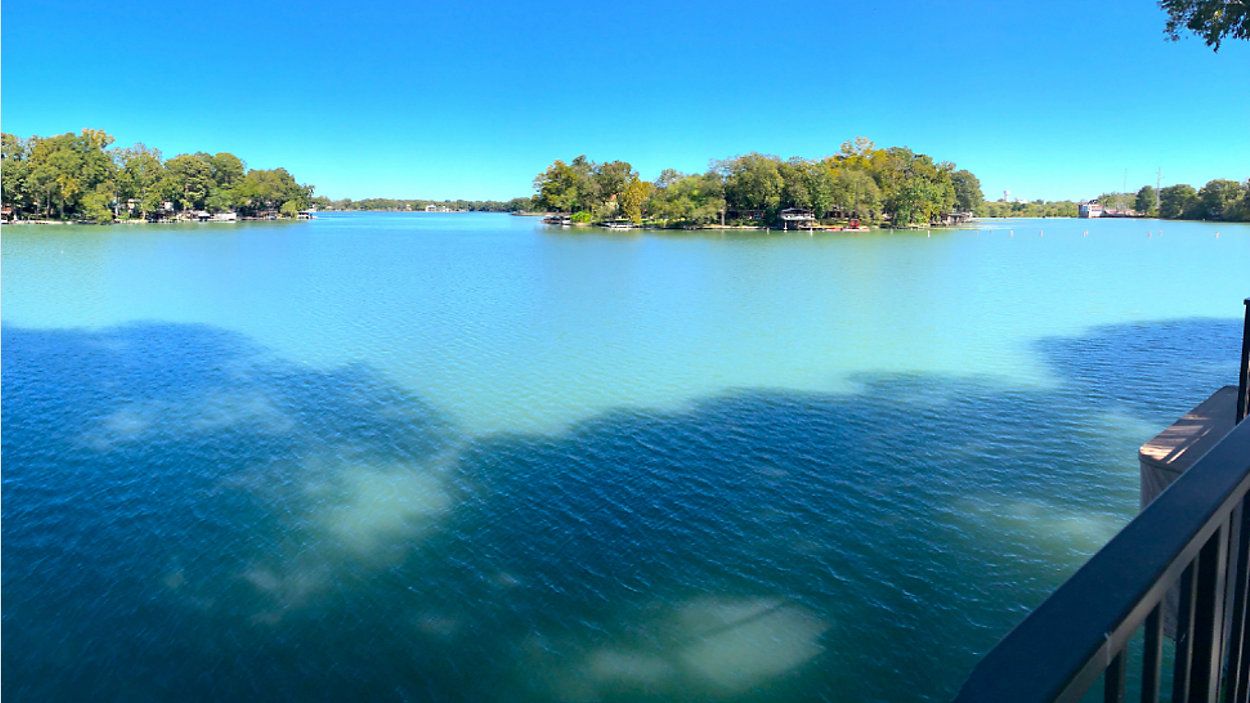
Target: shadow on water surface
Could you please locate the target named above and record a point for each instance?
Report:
(188, 517)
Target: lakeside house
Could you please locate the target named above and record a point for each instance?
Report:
(951, 219)
(798, 218)
(1093, 208)
(744, 215)
(6, 214)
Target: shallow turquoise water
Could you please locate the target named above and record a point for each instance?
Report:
(467, 457)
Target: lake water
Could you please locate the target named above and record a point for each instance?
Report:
(468, 457)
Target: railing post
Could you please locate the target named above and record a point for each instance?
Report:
(1114, 680)
(1243, 383)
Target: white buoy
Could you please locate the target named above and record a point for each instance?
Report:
(1085, 233)
(1041, 233)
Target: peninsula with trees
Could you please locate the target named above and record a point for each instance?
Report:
(859, 184)
(81, 177)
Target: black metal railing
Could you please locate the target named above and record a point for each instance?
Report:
(1195, 535)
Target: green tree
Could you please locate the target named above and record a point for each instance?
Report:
(15, 186)
(914, 188)
(634, 199)
(1219, 199)
(752, 182)
(558, 188)
(220, 200)
(1213, 20)
(269, 189)
(968, 195)
(679, 199)
(95, 207)
(140, 176)
(1145, 203)
(64, 168)
(227, 169)
(856, 193)
(1177, 201)
(808, 184)
(609, 182)
(189, 177)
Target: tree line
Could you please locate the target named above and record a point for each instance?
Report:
(1031, 208)
(1220, 199)
(861, 181)
(82, 177)
(403, 204)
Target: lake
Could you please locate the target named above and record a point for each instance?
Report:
(410, 456)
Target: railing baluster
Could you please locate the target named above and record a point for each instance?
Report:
(1243, 670)
(1113, 679)
(1234, 689)
(1152, 655)
(1208, 621)
(1184, 635)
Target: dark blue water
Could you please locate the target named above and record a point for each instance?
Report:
(189, 515)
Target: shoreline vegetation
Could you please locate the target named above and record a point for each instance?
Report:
(860, 185)
(421, 205)
(79, 178)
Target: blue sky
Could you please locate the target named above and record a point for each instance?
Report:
(452, 99)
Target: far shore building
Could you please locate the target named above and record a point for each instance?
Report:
(1089, 209)
(797, 218)
(954, 218)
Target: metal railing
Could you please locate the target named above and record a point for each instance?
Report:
(1196, 534)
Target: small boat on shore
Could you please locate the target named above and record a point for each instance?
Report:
(559, 220)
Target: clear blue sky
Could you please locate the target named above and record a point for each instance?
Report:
(453, 99)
